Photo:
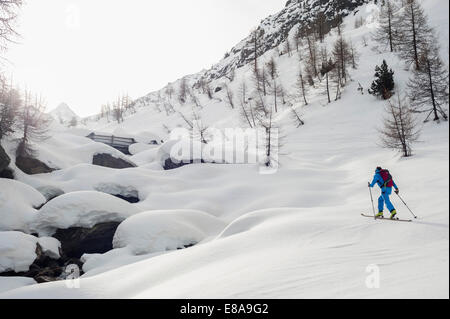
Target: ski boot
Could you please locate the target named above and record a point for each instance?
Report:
(380, 215)
(393, 214)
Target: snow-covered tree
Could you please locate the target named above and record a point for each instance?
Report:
(400, 128)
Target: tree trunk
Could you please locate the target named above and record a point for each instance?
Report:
(433, 98)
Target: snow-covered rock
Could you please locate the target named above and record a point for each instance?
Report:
(17, 251)
(17, 202)
(50, 247)
(156, 231)
(145, 157)
(81, 209)
(141, 147)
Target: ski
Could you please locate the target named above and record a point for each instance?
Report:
(392, 220)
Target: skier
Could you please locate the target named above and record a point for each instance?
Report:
(385, 181)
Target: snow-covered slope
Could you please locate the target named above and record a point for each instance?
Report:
(297, 233)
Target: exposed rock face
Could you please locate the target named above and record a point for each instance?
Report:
(32, 166)
(129, 199)
(4, 159)
(110, 161)
(7, 173)
(77, 241)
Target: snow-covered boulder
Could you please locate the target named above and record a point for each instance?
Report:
(141, 147)
(145, 157)
(17, 202)
(157, 231)
(50, 247)
(127, 193)
(81, 209)
(17, 251)
(177, 153)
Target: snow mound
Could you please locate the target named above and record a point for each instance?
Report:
(11, 283)
(141, 147)
(17, 251)
(251, 221)
(17, 202)
(156, 231)
(81, 209)
(145, 157)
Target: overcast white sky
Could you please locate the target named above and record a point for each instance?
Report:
(86, 52)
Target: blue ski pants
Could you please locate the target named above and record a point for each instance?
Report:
(384, 199)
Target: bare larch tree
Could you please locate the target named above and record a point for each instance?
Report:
(428, 88)
(400, 128)
(414, 31)
(387, 33)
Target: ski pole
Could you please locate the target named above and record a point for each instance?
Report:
(406, 206)
(373, 205)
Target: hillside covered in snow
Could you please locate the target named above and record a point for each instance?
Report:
(219, 224)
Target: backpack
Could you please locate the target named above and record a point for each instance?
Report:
(387, 178)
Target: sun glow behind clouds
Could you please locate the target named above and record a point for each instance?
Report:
(85, 52)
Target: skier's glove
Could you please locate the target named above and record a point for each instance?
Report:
(397, 191)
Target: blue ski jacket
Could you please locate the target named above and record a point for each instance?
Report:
(377, 179)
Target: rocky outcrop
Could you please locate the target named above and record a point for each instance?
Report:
(7, 173)
(32, 166)
(77, 241)
(110, 161)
